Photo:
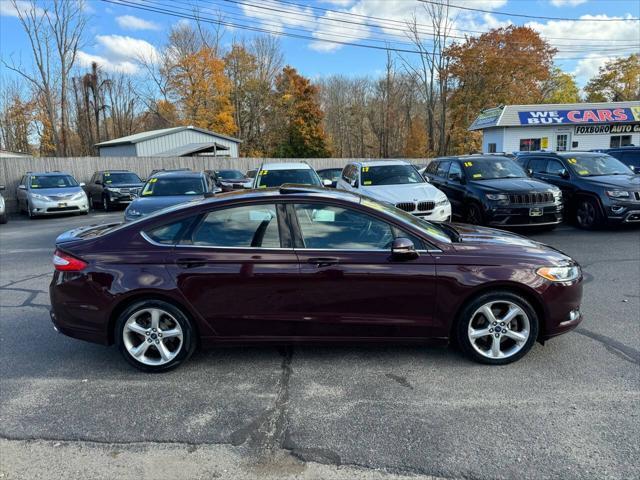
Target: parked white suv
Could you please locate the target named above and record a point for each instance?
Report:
(399, 183)
(276, 174)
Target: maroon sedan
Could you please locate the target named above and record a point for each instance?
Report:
(299, 264)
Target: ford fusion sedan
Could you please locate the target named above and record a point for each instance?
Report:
(51, 193)
(111, 188)
(597, 188)
(397, 183)
(495, 190)
(168, 188)
(276, 174)
(307, 265)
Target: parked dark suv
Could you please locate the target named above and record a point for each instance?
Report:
(112, 187)
(596, 187)
(630, 156)
(495, 190)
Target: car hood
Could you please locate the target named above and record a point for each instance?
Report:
(234, 180)
(490, 241)
(627, 182)
(57, 192)
(499, 185)
(402, 193)
(147, 205)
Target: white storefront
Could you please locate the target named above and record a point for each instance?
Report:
(559, 127)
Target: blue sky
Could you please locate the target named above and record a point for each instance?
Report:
(117, 34)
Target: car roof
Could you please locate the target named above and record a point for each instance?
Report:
(475, 157)
(286, 166)
(48, 174)
(178, 173)
(379, 163)
(114, 171)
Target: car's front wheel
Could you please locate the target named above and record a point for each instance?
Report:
(155, 336)
(497, 328)
(588, 214)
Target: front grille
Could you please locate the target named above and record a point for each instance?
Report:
(426, 206)
(530, 198)
(125, 190)
(59, 198)
(61, 209)
(406, 206)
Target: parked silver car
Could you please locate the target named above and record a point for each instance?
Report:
(3, 207)
(51, 193)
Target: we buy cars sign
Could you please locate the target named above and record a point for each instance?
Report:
(580, 116)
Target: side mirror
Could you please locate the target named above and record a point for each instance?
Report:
(529, 172)
(82, 184)
(426, 179)
(633, 168)
(2, 187)
(22, 187)
(455, 177)
(354, 183)
(403, 249)
(564, 173)
(327, 182)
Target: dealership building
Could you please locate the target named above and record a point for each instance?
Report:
(559, 127)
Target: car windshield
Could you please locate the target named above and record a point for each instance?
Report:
(493, 168)
(121, 177)
(53, 181)
(331, 174)
(275, 178)
(389, 175)
(597, 165)
(432, 229)
(229, 174)
(168, 186)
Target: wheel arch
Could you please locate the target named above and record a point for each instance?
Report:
(524, 292)
(584, 194)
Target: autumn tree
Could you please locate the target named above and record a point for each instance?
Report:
(298, 112)
(617, 81)
(16, 118)
(507, 65)
(198, 83)
(561, 87)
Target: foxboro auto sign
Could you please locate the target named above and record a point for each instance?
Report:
(580, 116)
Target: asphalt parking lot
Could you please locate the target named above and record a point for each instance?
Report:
(569, 409)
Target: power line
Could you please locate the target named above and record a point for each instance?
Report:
(178, 14)
(537, 17)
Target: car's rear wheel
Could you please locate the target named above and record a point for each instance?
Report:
(588, 214)
(497, 328)
(155, 336)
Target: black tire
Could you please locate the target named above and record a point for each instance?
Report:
(461, 330)
(106, 206)
(474, 214)
(587, 214)
(189, 342)
(29, 213)
(90, 201)
(3, 218)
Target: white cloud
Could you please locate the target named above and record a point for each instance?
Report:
(339, 3)
(116, 53)
(8, 9)
(329, 30)
(131, 22)
(86, 59)
(588, 67)
(567, 3)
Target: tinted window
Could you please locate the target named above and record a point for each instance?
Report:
(247, 226)
(229, 174)
(121, 177)
(275, 178)
(389, 175)
(554, 167)
(630, 158)
(432, 168)
(455, 170)
(595, 165)
(332, 174)
(53, 181)
(329, 227)
(169, 234)
(443, 169)
(347, 174)
(497, 167)
(538, 165)
(168, 186)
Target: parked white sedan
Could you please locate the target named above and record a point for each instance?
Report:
(399, 183)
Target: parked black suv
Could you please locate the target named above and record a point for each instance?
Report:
(596, 187)
(630, 156)
(112, 187)
(495, 190)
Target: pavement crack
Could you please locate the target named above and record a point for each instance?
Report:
(400, 380)
(613, 346)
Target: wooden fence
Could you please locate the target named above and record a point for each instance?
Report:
(82, 168)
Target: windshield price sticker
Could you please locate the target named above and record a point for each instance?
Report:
(477, 175)
(365, 169)
(264, 172)
(468, 164)
(583, 172)
(367, 182)
(573, 161)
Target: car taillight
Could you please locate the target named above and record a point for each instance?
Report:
(66, 263)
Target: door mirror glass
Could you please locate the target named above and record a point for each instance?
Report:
(354, 183)
(564, 173)
(455, 177)
(403, 248)
(529, 172)
(22, 187)
(82, 184)
(327, 183)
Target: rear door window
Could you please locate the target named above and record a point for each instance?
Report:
(443, 169)
(170, 233)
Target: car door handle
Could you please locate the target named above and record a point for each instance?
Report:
(190, 262)
(323, 261)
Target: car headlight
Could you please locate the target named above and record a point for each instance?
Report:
(78, 196)
(497, 196)
(557, 194)
(132, 212)
(113, 189)
(559, 274)
(617, 193)
(37, 196)
(441, 201)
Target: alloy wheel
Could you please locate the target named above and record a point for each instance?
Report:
(499, 329)
(586, 213)
(474, 215)
(152, 336)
